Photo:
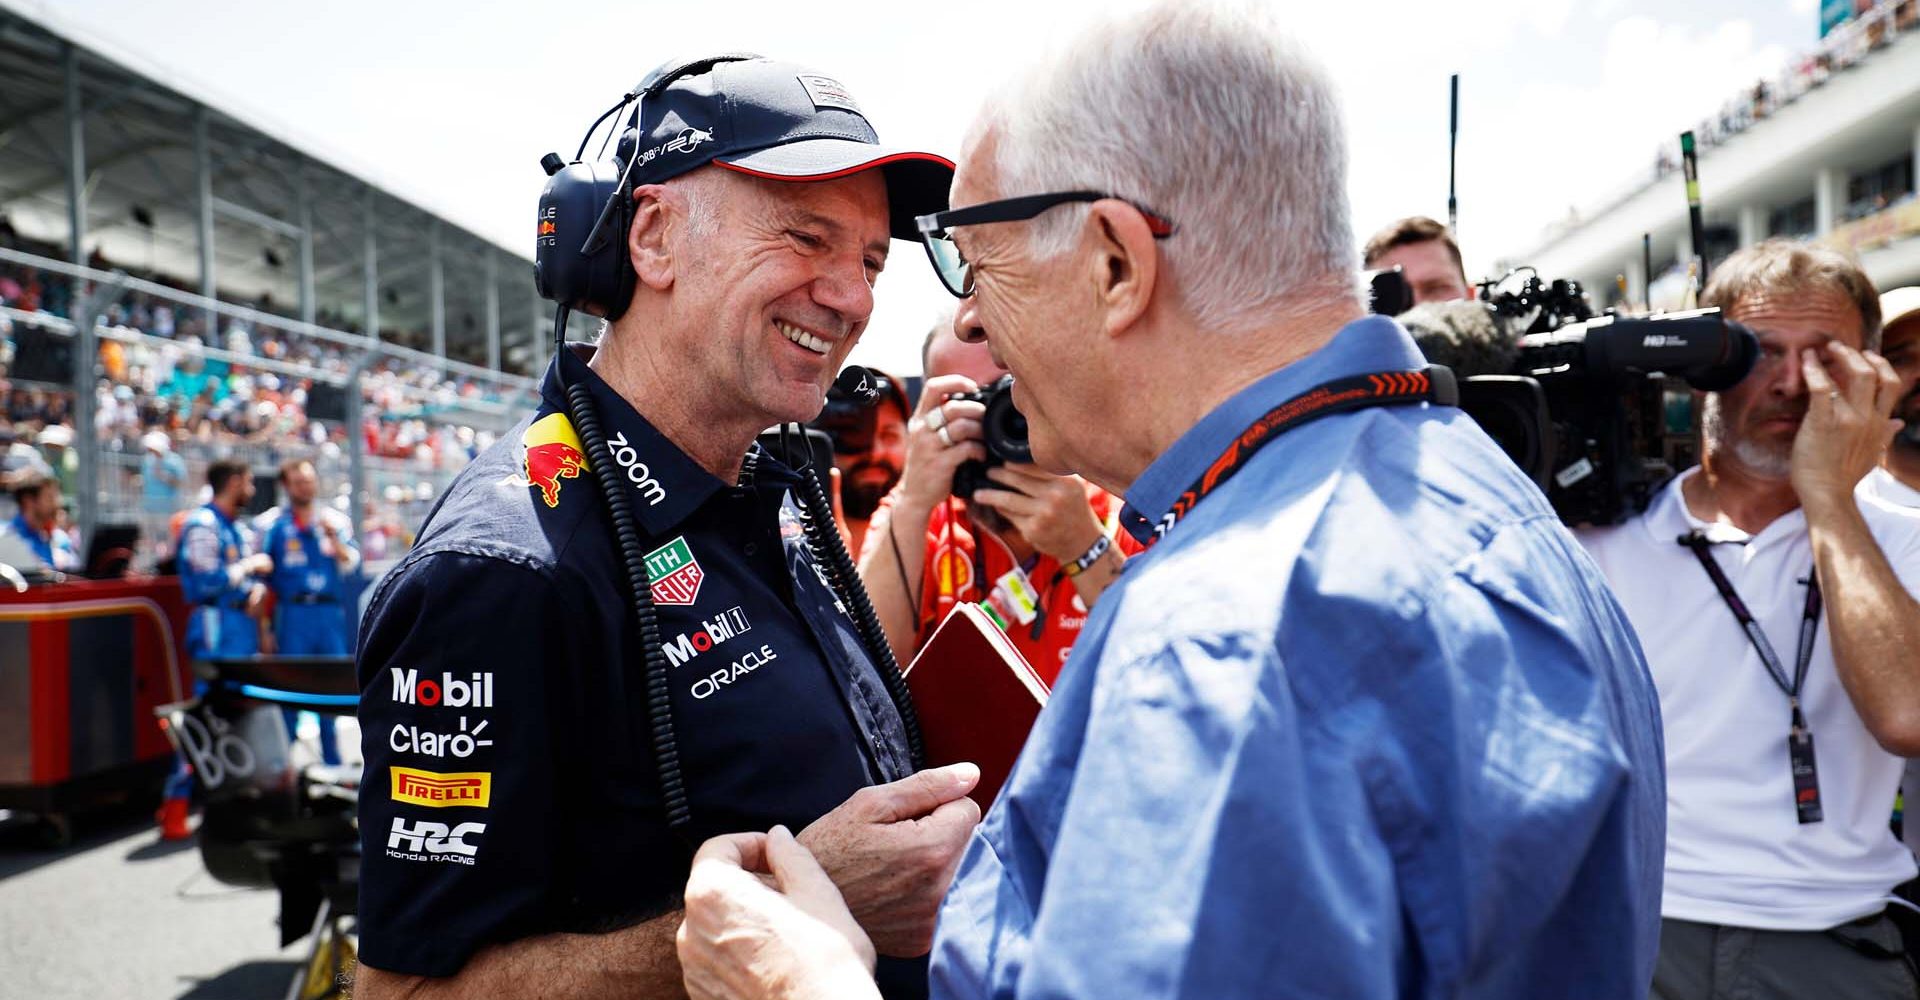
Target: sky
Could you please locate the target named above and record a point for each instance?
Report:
(452, 104)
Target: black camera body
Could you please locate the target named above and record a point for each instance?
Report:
(1600, 411)
(1004, 431)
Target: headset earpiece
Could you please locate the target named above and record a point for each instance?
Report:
(597, 281)
(580, 255)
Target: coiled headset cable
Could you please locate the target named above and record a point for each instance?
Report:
(823, 542)
(830, 550)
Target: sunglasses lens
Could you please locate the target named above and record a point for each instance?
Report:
(954, 270)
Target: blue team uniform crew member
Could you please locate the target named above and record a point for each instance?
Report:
(219, 577)
(220, 571)
(38, 497)
(313, 553)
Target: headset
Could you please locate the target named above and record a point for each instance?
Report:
(590, 200)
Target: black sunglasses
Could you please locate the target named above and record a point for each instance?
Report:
(954, 269)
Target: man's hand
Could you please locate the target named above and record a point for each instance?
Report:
(893, 848)
(941, 434)
(257, 601)
(1850, 399)
(745, 938)
(258, 564)
(1050, 511)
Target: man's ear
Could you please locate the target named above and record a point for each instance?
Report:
(658, 214)
(1124, 266)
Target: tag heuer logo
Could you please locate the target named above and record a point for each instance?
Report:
(676, 574)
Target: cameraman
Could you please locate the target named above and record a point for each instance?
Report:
(1778, 869)
(1035, 549)
(1426, 254)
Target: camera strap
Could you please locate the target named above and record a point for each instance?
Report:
(1806, 777)
(1434, 384)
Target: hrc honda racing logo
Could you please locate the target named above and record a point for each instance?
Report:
(429, 841)
(712, 632)
(410, 689)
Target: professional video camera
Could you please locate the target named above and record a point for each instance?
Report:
(1595, 410)
(1004, 429)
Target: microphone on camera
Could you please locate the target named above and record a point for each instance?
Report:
(857, 384)
(1463, 335)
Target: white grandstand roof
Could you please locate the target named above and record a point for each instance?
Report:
(317, 147)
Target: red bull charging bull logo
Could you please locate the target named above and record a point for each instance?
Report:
(552, 453)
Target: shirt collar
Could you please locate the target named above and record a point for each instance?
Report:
(218, 514)
(1371, 344)
(26, 527)
(1668, 518)
(668, 485)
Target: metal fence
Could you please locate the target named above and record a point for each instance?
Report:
(155, 384)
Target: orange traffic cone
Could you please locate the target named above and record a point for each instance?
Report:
(172, 817)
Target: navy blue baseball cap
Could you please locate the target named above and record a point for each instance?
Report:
(785, 122)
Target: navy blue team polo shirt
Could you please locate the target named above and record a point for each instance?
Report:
(510, 788)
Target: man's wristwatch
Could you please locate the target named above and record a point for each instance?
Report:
(1088, 558)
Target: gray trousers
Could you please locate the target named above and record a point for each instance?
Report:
(1710, 962)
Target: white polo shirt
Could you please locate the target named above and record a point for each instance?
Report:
(1880, 483)
(1736, 852)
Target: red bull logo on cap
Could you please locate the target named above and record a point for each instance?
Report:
(552, 454)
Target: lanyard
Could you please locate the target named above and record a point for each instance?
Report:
(1434, 384)
(1809, 624)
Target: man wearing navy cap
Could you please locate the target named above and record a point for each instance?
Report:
(515, 841)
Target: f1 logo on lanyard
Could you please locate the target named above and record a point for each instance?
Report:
(1806, 775)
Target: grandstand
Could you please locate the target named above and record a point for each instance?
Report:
(1824, 150)
(180, 282)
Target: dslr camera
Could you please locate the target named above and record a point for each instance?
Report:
(1003, 429)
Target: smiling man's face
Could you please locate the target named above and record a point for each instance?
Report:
(781, 281)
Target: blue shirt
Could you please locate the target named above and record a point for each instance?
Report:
(41, 545)
(1367, 723)
(300, 568)
(211, 546)
(502, 656)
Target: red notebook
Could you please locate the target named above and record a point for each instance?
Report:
(976, 697)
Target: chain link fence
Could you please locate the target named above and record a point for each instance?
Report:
(126, 391)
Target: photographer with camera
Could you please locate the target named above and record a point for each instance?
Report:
(869, 447)
(1775, 601)
(973, 519)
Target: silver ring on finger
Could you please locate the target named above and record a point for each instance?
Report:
(945, 438)
(937, 417)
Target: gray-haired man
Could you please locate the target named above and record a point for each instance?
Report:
(1363, 721)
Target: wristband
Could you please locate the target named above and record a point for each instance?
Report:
(1088, 558)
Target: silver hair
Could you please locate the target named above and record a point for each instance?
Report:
(1209, 115)
(702, 189)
